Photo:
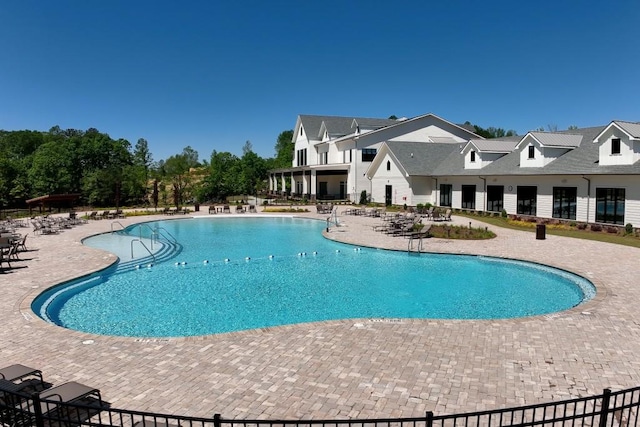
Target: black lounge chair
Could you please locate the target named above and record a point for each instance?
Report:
(252, 209)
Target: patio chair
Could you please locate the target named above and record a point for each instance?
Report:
(252, 209)
(92, 215)
(226, 209)
(239, 209)
(20, 372)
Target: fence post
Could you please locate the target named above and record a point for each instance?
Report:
(604, 412)
(429, 419)
(216, 420)
(37, 410)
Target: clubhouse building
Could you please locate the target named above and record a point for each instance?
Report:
(589, 175)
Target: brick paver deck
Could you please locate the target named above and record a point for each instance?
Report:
(343, 369)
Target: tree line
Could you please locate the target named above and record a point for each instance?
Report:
(112, 172)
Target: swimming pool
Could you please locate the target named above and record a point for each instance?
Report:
(229, 274)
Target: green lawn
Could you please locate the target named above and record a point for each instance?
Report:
(600, 236)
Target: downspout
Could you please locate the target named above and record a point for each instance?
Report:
(484, 193)
(588, 195)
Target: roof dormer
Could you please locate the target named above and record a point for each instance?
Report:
(538, 149)
(619, 144)
(479, 153)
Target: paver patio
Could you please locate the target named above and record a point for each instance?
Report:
(343, 369)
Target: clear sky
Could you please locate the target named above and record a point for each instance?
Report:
(215, 74)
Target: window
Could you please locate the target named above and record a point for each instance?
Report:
(610, 205)
(388, 165)
(445, 194)
(302, 157)
(527, 200)
(532, 152)
(564, 202)
(473, 156)
(368, 154)
(469, 196)
(324, 158)
(301, 131)
(615, 146)
(495, 196)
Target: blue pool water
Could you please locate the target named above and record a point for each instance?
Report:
(230, 274)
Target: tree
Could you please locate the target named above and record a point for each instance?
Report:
(222, 178)
(492, 132)
(572, 127)
(177, 170)
(51, 172)
(284, 149)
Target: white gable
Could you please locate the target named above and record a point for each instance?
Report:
(617, 146)
(534, 154)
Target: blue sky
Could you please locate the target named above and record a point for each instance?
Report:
(215, 74)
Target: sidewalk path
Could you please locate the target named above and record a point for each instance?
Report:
(343, 369)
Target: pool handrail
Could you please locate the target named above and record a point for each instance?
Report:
(144, 246)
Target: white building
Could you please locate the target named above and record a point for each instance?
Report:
(583, 175)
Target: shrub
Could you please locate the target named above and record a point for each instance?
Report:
(503, 213)
(582, 226)
(612, 230)
(363, 197)
(596, 227)
(628, 229)
(572, 224)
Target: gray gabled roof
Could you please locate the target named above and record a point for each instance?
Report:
(631, 128)
(421, 158)
(496, 145)
(372, 123)
(583, 160)
(557, 139)
(338, 126)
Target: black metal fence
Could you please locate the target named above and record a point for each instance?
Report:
(610, 409)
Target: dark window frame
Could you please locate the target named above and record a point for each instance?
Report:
(494, 203)
(565, 202)
(472, 156)
(526, 196)
(532, 152)
(468, 193)
(610, 205)
(446, 194)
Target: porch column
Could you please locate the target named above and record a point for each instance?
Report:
(314, 189)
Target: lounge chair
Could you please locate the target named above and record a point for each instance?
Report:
(50, 400)
(445, 217)
(424, 232)
(19, 372)
(252, 209)
(226, 209)
(92, 215)
(212, 209)
(240, 209)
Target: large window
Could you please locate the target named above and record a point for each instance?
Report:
(564, 202)
(610, 205)
(495, 196)
(527, 200)
(445, 194)
(368, 154)
(468, 197)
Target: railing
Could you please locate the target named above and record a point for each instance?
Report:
(116, 222)
(144, 246)
(610, 409)
(155, 232)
